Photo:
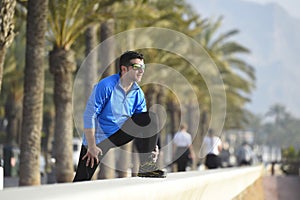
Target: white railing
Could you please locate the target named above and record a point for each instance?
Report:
(219, 184)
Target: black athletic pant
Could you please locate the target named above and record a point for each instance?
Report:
(142, 127)
(212, 161)
(183, 159)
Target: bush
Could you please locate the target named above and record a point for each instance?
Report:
(290, 161)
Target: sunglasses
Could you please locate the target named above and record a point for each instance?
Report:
(137, 66)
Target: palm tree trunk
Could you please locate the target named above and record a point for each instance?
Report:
(174, 116)
(192, 124)
(49, 129)
(107, 50)
(174, 120)
(107, 167)
(62, 65)
(106, 54)
(91, 53)
(33, 93)
(2, 58)
(124, 160)
(13, 113)
(161, 100)
(7, 12)
(204, 122)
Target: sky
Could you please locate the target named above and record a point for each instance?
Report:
(292, 6)
(269, 90)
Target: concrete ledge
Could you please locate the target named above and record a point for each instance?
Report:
(1, 178)
(211, 184)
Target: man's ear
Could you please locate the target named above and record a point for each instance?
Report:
(124, 68)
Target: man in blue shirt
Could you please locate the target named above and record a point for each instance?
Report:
(116, 114)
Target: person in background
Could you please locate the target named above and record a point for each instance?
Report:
(244, 154)
(116, 114)
(212, 148)
(183, 148)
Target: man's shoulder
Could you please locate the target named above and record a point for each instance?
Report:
(111, 78)
(187, 134)
(109, 81)
(206, 138)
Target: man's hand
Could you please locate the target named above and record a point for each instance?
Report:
(92, 154)
(155, 154)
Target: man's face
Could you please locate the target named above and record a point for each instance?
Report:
(136, 71)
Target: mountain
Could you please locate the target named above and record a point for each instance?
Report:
(272, 35)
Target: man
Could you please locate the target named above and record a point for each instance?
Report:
(244, 154)
(212, 147)
(183, 148)
(116, 114)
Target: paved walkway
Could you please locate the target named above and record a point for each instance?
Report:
(281, 187)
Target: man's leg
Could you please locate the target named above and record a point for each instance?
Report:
(83, 172)
(145, 131)
(181, 164)
(141, 126)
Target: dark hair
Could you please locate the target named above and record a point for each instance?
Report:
(127, 56)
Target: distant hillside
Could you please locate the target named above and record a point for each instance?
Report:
(273, 37)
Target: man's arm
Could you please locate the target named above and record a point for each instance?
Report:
(220, 147)
(192, 153)
(89, 121)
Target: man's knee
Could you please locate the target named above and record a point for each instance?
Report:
(145, 119)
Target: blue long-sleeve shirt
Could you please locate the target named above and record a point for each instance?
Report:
(109, 107)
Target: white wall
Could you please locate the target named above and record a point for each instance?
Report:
(211, 184)
(1, 178)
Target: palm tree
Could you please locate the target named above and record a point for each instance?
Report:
(33, 93)
(91, 72)
(232, 69)
(68, 20)
(278, 111)
(106, 54)
(107, 51)
(7, 10)
(12, 90)
(12, 84)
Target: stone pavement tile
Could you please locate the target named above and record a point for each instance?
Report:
(270, 188)
(288, 187)
(281, 187)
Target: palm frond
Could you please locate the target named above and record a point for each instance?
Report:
(233, 47)
(242, 66)
(223, 37)
(68, 19)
